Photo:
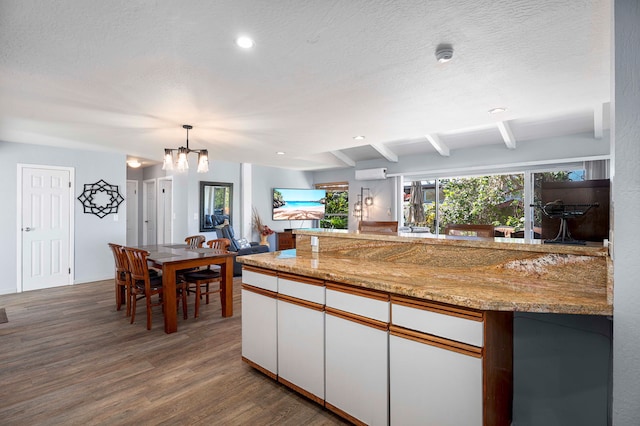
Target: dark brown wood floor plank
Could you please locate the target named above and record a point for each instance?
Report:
(68, 357)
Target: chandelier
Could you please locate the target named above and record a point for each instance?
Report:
(182, 164)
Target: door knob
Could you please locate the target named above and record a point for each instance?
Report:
(27, 229)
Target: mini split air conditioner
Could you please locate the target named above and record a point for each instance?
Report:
(371, 174)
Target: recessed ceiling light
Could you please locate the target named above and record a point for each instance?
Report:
(134, 164)
(245, 42)
(358, 138)
(280, 152)
(497, 110)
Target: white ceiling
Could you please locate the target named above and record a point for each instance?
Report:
(124, 75)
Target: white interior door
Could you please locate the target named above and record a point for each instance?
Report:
(149, 212)
(132, 212)
(165, 211)
(45, 203)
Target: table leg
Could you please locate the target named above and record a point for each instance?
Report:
(227, 287)
(169, 297)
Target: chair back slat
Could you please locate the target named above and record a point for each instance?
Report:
(120, 257)
(377, 226)
(138, 264)
(485, 231)
(219, 244)
(195, 241)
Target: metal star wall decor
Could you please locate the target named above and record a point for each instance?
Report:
(100, 198)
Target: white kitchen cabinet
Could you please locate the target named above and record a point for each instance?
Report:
(301, 335)
(259, 320)
(449, 365)
(430, 385)
(357, 354)
(375, 358)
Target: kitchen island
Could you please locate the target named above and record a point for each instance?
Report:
(433, 317)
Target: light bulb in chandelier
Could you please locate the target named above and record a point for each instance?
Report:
(168, 160)
(203, 161)
(183, 163)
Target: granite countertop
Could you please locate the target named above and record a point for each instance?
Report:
(486, 289)
(517, 244)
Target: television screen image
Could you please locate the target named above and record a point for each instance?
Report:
(298, 204)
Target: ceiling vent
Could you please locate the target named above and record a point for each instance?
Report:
(444, 53)
(371, 174)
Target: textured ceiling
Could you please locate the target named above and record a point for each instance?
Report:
(124, 75)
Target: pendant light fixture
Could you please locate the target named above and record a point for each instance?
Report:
(182, 163)
(361, 207)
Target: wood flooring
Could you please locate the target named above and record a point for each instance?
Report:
(67, 357)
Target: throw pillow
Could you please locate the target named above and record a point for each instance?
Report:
(243, 243)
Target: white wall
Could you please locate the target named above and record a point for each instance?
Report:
(93, 259)
(219, 171)
(625, 119)
(264, 179)
(186, 195)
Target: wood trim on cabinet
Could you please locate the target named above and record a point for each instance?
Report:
(301, 279)
(371, 294)
(497, 367)
(429, 339)
(300, 302)
(314, 398)
(344, 415)
(261, 291)
(357, 318)
(437, 307)
(260, 369)
(260, 270)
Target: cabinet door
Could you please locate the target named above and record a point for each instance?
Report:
(357, 370)
(259, 330)
(301, 348)
(430, 385)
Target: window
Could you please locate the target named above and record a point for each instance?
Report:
(336, 214)
(494, 199)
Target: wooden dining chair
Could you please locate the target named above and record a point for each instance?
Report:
(199, 282)
(470, 230)
(195, 241)
(220, 244)
(144, 286)
(122, 277)
(377, 226)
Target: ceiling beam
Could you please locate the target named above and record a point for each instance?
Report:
(385, 152)
(507, 134)
(439, 146)
(344, 158)
(598, 121)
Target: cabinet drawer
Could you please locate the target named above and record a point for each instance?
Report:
(301, 288)
(266, 280)
(361, 302)
(456, 324)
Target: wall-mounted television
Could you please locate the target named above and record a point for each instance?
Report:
(298, 204)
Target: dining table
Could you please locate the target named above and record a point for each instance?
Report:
(174, 257)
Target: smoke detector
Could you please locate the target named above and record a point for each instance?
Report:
(444, 53)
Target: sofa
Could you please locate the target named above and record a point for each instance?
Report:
(213, 220)
(239, 246)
